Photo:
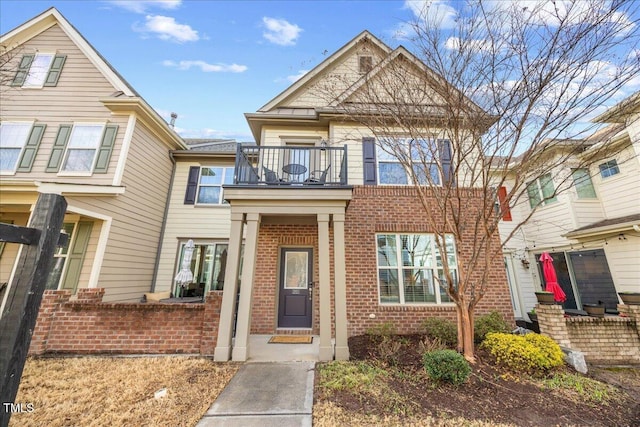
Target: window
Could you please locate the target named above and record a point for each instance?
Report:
(13, 137)
(41, 69)
(609, 168)
(422, 155)
(541, 191)
(82, 148)
(409, 266)
(365, 63)
(210, 184)
(208, 267)
(583, 184)
(60, 258)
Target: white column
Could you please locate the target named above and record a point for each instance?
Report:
(340, 278)
(241, 348)
(222, 352)
(326, 349)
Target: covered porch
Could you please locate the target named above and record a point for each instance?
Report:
(283, 227)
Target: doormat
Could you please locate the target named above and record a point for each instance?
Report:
(291, 339)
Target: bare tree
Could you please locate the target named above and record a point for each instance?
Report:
(506, 86)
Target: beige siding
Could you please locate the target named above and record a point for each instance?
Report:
(200, 223)
(587, 212)
(334, 80)
(10, 251)
(619, 192)
(623, 257)
(73, 100)
(129, 259)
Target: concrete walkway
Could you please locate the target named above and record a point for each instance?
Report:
(265, 394)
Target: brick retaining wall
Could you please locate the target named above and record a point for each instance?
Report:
(608, 340)
(89, 326)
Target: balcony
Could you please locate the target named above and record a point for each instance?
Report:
(291, 166)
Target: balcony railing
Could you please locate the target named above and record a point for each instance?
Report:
(291, 166)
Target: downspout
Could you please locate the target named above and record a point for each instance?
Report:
(164, 223)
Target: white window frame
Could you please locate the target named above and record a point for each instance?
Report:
(16, 145)
(388, 157)
(538, 186)
(69, 147)
(581, 182)
(435, 269)
(41, 73)
(227, 174)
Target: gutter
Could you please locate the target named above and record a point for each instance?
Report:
(607, 229)
(164, 223)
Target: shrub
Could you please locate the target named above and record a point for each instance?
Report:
(442, 329)
(533, 353)
(446, 365)
(492, 322)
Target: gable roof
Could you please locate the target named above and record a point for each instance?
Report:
(302, 82)
(125, 97)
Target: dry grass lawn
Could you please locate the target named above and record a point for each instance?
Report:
(113, 391)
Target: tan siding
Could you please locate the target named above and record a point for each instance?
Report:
(10, 252)
(129, 259)
(74, 99)
(615, 190)
(587, 211)
(623, 257)
(203, 223)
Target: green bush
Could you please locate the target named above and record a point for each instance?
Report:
(441, 329)
(446, 365)
(492, 322)
(533, 353)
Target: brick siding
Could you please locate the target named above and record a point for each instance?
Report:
(89, 326)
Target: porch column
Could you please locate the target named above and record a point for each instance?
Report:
(326, 350)
(240, 350)
(222, 352)
(340, 278)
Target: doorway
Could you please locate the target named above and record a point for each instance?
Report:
(296, 288)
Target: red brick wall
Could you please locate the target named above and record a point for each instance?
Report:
(88, 326)
(377, 209)
(271, 238)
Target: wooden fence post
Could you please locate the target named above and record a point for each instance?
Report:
(24, 294)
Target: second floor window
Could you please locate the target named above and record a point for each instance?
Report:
(13, 137)
(394, 157)
(541, 191)
(82, 148)
(583, 184)
(609, 168)
(212, 178)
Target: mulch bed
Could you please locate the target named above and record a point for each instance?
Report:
(490, 394)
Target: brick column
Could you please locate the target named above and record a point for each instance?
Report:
(210, 322)
(90, 295)
(553, 324)
(51, 300)
(632, 312)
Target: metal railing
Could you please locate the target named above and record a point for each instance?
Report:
(291, 166)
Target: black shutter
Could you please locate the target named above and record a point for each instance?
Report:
(444, 148)
(369, 161)
(192, 185)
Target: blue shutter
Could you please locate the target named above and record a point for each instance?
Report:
(64, 132)
(23, 70)
(106, 147)
(192, 185)
(31, 148)
(55, 70)
(369, 161)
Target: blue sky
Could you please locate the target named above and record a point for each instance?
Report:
(213, 61)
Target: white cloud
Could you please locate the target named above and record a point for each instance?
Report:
(206, 67)
(295, 77)
(141, 6)
(166, 28)
(453, 43)
(280, 32)
(434, 11)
